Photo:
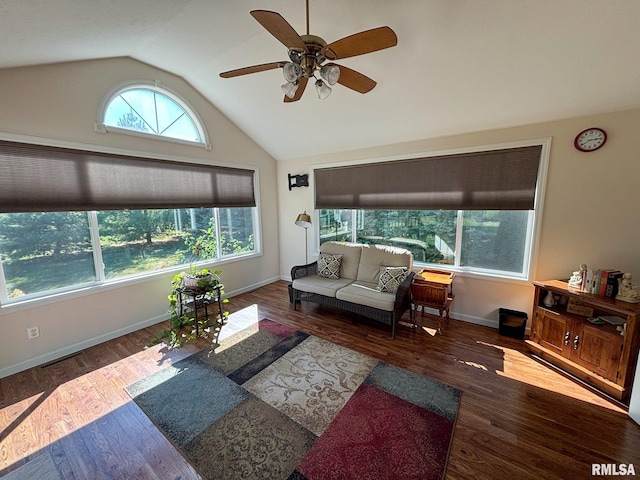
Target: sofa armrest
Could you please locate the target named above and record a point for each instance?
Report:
(403, 300)
(300, 271)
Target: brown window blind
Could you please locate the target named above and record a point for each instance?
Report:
(37, 178)
(492, 180)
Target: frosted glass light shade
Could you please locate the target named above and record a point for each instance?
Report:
(289, 89)
(330, 74)
(323, 89)
(291, 72)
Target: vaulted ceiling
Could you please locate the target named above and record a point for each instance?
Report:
(459, 66)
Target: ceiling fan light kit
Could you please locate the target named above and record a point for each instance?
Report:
(330, 74)
(323, 89)
(289, 89)
(307, 53)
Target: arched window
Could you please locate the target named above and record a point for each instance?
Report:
(149, 109)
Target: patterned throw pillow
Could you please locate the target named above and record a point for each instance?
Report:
(329, 265)
(391, 278)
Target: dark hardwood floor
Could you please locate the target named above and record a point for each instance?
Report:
(518, 418)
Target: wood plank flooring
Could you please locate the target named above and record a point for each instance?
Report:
(518, 418)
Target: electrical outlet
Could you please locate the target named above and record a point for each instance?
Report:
(33, 332)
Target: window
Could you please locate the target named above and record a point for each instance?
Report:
(491, 241)
(473, 210)
(46, 252)
(151, 110)
(71, 218)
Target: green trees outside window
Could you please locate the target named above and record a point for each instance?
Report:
(490, 241)
(50, 251)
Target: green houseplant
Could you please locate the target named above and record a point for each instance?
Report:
(185, 285)
(190, 291)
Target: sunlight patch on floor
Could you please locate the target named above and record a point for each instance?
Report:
(545, 377)
(430, 331)
(13, 412)
(473, 364)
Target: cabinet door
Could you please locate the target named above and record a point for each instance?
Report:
(597, 349)
(553, 331)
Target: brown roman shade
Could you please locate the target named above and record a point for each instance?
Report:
(36, 178)
(492, 180)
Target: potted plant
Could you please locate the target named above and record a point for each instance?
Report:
(191, 291)
(184, 298)
(198, 278)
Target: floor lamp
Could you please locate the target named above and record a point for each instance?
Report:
(304, 221)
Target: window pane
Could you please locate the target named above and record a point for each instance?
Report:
(183, 129)
(236, 230)
(167, 112)
(429, 234)
(146, 110)
(335, 225)
(41, 252)
(138, 241)
(494, 239)
(198, 227)
(121, 114)
(144, 105)
(45, 251)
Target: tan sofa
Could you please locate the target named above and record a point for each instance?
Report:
(368, 280)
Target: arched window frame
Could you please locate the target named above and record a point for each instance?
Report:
(156, 87)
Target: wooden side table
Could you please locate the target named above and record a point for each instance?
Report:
(434, 289)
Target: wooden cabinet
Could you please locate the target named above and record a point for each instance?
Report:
(596, 353)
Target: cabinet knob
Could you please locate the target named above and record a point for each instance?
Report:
(567, 336)
(575, 342)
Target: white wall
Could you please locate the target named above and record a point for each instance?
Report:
(61, 102)
(590, 212)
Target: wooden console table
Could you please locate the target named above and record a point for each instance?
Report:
(594, 352)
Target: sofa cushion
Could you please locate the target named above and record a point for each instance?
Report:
(320, 285)
(391, 278)
(375, 256)
(329, 265)
(367, 293)
(350, 257)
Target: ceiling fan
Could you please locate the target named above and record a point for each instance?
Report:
(307, 54)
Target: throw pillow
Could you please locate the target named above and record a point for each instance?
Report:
(329, 265)
(391, 278)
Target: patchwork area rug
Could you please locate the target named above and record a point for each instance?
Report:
(275, 403)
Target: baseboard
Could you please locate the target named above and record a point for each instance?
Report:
(251, 287)
(77, 347)
(486, 322)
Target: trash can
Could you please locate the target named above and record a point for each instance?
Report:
(512, 323)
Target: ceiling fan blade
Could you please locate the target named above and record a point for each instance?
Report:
(361, 43)
(302, 83)
(279, 28)
(354, 80)
(253, 69)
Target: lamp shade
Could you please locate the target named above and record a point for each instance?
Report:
(289, 89)
(291, 71)
(323, 89)
(303, 220)
(330, 74)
